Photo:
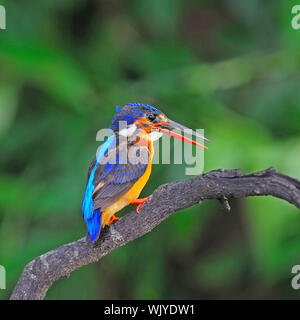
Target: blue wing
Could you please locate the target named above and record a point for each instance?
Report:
(91, 216)
(108, 182)
(115, 181)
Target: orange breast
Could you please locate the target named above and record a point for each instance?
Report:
(132, 194)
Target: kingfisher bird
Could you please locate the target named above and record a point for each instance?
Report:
(113, 181)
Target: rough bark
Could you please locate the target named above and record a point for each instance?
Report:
(43, 271)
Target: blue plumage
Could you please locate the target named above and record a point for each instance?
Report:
(147, 106)
(114, 181)
(91, 216)
(116, 178)
(130, 113)
(94, 225)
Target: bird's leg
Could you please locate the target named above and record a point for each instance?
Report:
(112, 219)
(139, 203)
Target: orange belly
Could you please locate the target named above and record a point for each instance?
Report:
(132, 194)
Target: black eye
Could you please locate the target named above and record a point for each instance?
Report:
(151, 117)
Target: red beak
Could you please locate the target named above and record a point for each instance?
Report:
(166, 126)
(183, 138)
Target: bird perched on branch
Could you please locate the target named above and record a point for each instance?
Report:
(123, 163)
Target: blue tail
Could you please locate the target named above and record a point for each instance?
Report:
(94, 225)
(93, 217)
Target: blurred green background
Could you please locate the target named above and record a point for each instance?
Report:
(230, 66)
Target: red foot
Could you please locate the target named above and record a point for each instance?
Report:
(112, 219)
(139, 202)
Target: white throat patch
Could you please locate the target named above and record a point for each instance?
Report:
(126, 132)
(155, 135)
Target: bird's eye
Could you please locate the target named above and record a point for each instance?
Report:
(151, 117)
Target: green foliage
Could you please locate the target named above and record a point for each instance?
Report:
(231, 67)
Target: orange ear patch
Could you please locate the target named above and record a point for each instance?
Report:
(144, 124)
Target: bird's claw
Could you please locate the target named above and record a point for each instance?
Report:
(139, 203)
(112, 219)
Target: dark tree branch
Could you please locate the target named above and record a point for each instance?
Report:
(42, 272)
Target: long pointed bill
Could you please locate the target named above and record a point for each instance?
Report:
(172, 125)
(180, 137)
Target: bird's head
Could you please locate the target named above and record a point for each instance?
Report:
(139, 117)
